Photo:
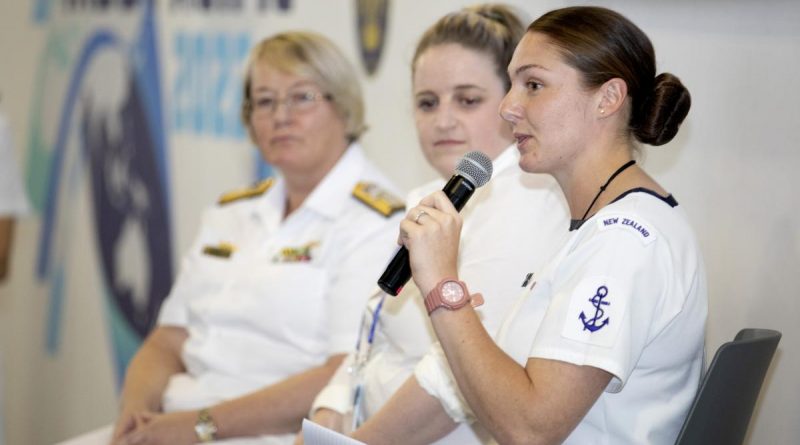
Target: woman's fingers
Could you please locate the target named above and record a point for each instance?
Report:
(439, 201)
(431, 232)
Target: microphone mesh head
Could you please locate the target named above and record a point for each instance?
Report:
(476, 167)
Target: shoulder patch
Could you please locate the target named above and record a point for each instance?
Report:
(638, 227)
(377, 199)
(596, 313)
(246, 193)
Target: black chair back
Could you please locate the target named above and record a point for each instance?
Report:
(724, 403)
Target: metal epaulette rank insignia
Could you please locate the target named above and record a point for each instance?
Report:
(377, 199)
(247, 193)
(222, 250)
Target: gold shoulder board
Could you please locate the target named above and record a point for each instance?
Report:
(250, 192)
(377, 199)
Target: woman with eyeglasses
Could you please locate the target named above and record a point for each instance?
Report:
(511, 224)
(605, 343)
(262, 312)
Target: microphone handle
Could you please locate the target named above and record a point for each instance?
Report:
(458, 189)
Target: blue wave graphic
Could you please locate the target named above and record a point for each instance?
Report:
(128, 182)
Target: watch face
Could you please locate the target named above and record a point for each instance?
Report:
(452, 292)
(205, 431)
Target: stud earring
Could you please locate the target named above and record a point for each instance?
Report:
(602, 111)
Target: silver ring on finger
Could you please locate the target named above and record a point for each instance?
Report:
(420, 215)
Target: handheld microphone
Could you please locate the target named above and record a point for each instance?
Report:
(473, 171)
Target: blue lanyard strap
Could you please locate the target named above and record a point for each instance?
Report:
(376, 316)
(361, 357)
(373, 324)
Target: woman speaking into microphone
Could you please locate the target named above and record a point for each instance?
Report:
(605, 344)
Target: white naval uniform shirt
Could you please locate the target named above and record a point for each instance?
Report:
(512, 224)
(288, 297)
(638, 261)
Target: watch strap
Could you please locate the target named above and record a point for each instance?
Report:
(434, 300)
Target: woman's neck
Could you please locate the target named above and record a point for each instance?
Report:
(580, 192)
(583, 181)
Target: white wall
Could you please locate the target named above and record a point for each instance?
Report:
(733, 167)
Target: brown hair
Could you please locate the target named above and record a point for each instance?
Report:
(602, 45)
(493, 29)
(311, 55)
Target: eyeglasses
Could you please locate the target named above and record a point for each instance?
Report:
(296, 101)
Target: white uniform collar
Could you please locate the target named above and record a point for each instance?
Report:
(332, 193)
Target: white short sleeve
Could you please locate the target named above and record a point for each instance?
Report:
(338, 393)
(434, 376)
(605, 301)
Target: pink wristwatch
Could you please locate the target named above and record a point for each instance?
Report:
(451, 294)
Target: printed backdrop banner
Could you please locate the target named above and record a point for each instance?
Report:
(111, 136)
(106, 136)
(125, 115)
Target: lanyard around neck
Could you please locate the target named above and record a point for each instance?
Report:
(575, 224)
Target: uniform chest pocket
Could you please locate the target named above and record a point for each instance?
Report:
(284, 297)
(207, 273)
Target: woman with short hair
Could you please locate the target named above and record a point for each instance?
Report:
(262, 312)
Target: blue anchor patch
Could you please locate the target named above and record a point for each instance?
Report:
(595, 324)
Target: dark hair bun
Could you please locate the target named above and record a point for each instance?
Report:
(663, 111)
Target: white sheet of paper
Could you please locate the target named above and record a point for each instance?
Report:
(314, 434)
